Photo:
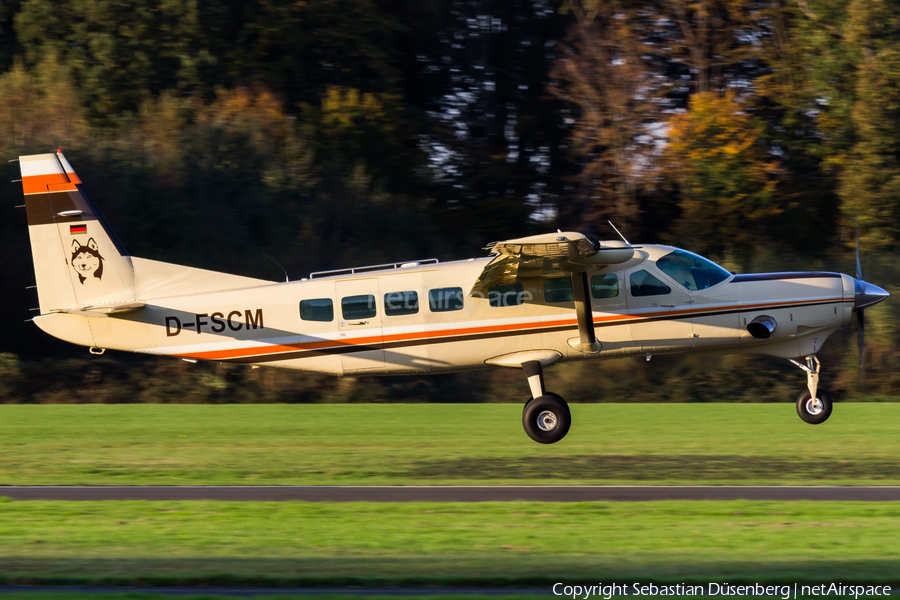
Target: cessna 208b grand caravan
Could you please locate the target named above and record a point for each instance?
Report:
(531, 303)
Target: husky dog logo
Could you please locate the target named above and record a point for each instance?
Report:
(86, 260)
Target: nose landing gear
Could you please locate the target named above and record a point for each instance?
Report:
(546, 417)
(813, 405)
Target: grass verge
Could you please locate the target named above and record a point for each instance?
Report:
(447, 544)
(113, 595)
(369, 594)
(443, 444)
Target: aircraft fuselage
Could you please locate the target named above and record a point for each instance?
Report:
(264, 325)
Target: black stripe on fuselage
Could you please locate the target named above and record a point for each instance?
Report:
(497, 334)
(783, 276)
(731, 311)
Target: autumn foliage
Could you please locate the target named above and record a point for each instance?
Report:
(329, 134)
(726, 177)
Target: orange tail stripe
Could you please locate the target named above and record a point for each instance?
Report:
(61, 187)
(37, 184)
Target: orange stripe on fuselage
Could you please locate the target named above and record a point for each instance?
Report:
(398, 337)
(425, 335)
(37, 184)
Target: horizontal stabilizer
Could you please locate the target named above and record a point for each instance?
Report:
(104, 311)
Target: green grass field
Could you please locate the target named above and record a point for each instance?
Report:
(442, 444)
(484, 544)
(490, 544)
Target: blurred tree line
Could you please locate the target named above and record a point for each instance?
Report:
(761, 133)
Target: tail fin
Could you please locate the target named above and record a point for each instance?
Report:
(78, 261)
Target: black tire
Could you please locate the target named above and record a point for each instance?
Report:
(809, 413)
(551, 410)
(552, 395)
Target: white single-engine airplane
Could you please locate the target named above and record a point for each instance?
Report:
(532, 303)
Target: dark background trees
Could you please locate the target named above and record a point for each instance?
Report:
(329, 134)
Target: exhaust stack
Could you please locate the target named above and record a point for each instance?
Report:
(762, 327)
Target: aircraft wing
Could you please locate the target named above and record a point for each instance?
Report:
(548, 255)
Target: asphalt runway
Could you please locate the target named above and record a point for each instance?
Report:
(478, 493)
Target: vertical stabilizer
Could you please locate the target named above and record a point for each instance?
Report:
(78, 261)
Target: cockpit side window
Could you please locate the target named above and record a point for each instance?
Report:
(691, 271)
(644, 283)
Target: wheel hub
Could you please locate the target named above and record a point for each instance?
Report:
(546, 421)
(814, 406)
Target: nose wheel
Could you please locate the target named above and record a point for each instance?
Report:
(813, 405)
(546, 417)
(814, 410)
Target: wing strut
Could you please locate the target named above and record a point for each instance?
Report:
(587, 341)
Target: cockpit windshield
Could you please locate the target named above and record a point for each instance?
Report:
(691, 271)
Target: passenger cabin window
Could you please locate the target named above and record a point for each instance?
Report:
(644, 283)
(319, 309)
(506, 295)
(445, 299)
(558, 289)
(605, 286)
(692, 271)
(401, 303)
(358, 307)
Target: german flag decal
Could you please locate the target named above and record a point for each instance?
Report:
(77, 229)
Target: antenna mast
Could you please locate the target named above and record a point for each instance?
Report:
(286, 280)
(619, 232)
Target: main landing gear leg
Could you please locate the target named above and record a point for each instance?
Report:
(813, 405)
(546, 417)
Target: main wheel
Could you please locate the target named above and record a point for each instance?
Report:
(814, 410)
(552, 395)
(546, 419)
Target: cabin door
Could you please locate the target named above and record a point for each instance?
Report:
(359, 309)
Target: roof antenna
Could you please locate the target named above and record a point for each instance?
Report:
(286, 280)
(619, 232)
